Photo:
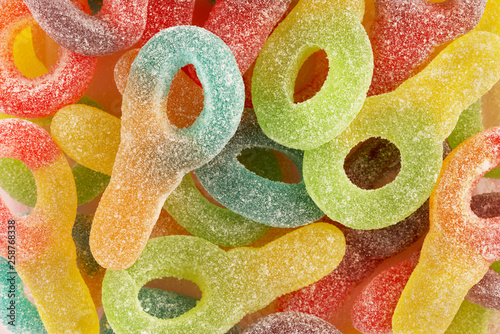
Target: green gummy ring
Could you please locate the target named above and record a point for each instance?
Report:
(314, 122)
(268, 202)
(343, 201)
(176, 256)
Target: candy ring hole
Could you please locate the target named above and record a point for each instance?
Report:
(18, 185)
(183, 109)
(311, 76)
(184, 286)
(373, 163)
(95, 6)
(277, 167)
(34, 52)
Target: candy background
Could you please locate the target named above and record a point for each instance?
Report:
(103, 89)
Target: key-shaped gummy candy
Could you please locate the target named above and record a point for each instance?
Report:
(233, 284)
(154, 155)
(416, 117)
(44, 252)
(460, 246)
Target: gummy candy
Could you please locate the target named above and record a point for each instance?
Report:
(116, 27)
(406, 32)
(268, 202)
(42, 246)
(313, 25)
(373, 309)
(365, 251)
(233, 283)
(154, 155)
(43, 96)
(460, 246)
(163, 14)
(290, 323)
(25, 318)
(416, 117)
(244, 25)
(163, 305)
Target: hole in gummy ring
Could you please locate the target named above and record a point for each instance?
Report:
(185, 100)
(177, 285)
(311, 76)
(270, 164)
(373, 163)
(34, 52)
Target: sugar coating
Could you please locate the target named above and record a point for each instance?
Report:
(45, 252)
(233, 283)
(460, 246)
(27, 319)
(405, 33)
(39, 97)
(416, 117)
(268, 202)
(163, 305)
(154, 155)
(165, 14)
(312, 25)
(374, 307)
(244, 25)
(291, 323)
(116, 27)
(208, 221)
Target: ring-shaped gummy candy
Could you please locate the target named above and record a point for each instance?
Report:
(460, 246)
(242, 191)
(233, 283)
(154, 155)
(305, 30)
(118, 25)
(39, 97)
(45, 255)
(416, 117)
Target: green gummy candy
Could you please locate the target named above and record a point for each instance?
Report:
(89, 183)
(27, 320)
(81, 234)
(163, 305)
(470, 319)
(314, 122)
(17, 180)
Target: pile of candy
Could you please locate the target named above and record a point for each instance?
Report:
(311, 165)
